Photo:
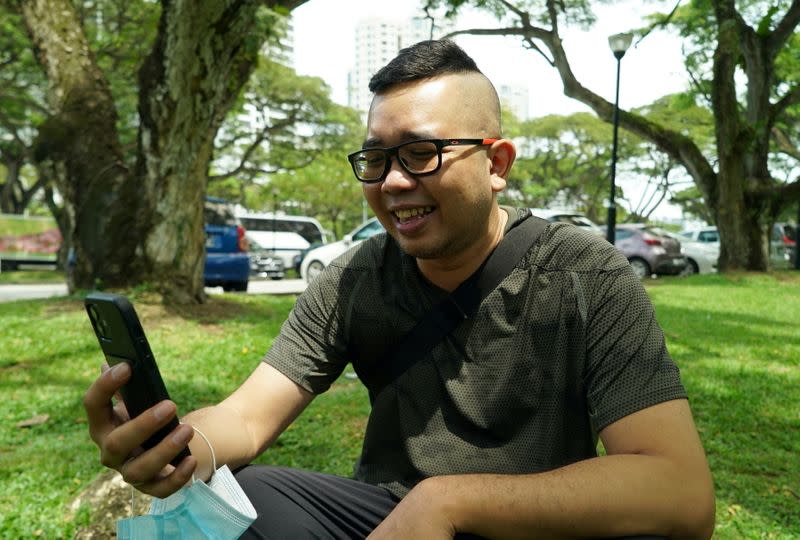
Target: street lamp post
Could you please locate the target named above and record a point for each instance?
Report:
(619, 44)
(274, 220)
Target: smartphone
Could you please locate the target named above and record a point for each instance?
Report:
(122, 339)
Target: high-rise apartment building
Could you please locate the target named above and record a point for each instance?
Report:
(377, 41)
(514, 98)
(281, 49)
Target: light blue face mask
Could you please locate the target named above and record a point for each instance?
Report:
(219, 510)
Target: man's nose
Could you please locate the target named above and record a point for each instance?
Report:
(397, 178)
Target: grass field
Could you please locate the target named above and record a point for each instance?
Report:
(735, 338)
(21, 277)
(13, 225)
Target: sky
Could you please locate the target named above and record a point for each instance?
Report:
(324, 36)
(324, 33)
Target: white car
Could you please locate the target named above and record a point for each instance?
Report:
(282, 244)
(704, 235)
(701, 257)
(318, 258)
(568, 216)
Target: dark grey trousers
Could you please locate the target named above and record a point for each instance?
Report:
(295, 504)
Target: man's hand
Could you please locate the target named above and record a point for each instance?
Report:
(120, 438)
(420, 514)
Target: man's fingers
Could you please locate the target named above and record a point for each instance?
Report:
(170, 479)
(97, 400)
(151, 473)
(118, 445)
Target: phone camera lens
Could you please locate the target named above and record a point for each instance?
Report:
(102, 327)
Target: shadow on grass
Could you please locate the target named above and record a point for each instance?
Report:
(749, 424)
(742, 374)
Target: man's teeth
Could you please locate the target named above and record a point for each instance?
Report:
(411, 212)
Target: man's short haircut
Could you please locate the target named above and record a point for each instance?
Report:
(423, 60)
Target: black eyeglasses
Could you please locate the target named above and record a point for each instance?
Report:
(419, 158)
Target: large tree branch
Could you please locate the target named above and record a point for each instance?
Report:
(785, 144)
(247, 170)
(790, 98)
(783, 195)
(785, 28)
(679, 147)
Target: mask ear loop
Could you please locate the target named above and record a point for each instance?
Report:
(213, 455)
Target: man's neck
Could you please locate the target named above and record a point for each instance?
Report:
(449, 273)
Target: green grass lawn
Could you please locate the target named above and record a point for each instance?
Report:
(14, 225)
(27, 277)
(736, 340)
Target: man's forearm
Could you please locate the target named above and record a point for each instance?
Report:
(608, 496)
(247, 421)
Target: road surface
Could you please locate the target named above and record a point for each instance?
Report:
(9, 293)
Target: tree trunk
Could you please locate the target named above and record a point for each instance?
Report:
(203, 55)
(127, 227)
(80, 139)
(197, 67)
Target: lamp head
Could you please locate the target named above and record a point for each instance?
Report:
(619, 44)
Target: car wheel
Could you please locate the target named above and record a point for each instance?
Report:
(691, 268)
(640, 267)
(314, 269)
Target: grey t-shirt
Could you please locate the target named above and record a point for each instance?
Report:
(565, 345)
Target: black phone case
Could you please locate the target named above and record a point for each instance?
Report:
(122, 339)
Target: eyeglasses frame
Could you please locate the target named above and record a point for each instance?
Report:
(392, 151)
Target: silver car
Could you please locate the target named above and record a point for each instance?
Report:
(318, 258)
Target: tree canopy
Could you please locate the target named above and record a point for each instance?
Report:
(727, 42)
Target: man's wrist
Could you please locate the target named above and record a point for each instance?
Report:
(444, 496)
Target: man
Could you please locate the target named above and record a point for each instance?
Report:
(493, 432)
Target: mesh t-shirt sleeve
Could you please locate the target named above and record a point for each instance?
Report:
(309, 348)
(628, 365)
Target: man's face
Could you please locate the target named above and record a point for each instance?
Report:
(443, 216)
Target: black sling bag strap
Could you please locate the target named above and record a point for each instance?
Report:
(462, 303)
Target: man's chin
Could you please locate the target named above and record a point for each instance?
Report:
(422, 250)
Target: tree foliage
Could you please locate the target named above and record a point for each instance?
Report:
(753, 42)
(22, 107)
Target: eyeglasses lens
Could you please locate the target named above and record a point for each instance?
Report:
(369, 164)
(417, 157)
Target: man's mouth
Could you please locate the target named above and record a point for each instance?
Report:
(407, 214)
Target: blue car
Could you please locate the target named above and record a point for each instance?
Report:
(227, 261)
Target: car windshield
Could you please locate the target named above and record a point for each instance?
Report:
(368, 230)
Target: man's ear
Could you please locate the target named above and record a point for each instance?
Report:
(502, 154)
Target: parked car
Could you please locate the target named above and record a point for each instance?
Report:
(317, 259)
(783, 245)
(298, 259)
(649, 250)
(264, 262)
(227, 263)
(782, 242)
(284, 244)
(701, 258)
(704, 235)
(573, 218)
